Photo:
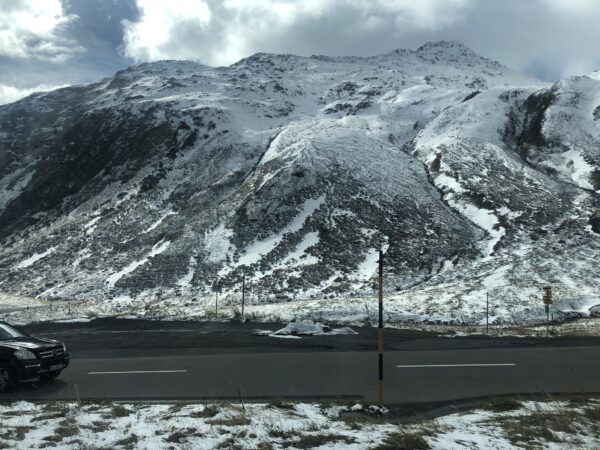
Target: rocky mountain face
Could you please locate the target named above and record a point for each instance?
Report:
(173, 179)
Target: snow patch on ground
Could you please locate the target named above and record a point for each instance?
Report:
(156, 249)
(255, 251)
(186, 280)
(34, 258)
(280, 425)
(310, 328)
(217, 242)
(168, 213)
(91, 225)
(574, 166)
(483, 218)
(12, 185)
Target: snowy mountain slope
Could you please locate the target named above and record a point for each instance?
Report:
(172, 177)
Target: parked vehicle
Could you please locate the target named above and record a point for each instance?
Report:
(28, 358)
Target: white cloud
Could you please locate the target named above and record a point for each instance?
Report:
(222, 31)
(9, 94)
(35, 29)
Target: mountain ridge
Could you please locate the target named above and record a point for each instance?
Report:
(172, 177)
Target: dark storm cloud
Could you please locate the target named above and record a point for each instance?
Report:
(92, 28)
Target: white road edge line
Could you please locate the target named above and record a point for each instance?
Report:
(454, 365)
(137, 371)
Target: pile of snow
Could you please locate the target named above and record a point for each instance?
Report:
(310, 328)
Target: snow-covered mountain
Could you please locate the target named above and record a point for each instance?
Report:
(153, 184)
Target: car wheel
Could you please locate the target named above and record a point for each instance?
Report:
(50, 376)
(5, 379)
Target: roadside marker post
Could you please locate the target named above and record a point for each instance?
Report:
(243, 294)
(380, 330)
(216, 288)
(547, 298)
(487, 313)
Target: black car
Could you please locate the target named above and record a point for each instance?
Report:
(27, 358)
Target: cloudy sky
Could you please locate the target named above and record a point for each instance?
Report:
(50, 43)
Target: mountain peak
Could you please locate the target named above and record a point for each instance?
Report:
(444, 45)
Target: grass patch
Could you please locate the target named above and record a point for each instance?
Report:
(17, 432)
(47, 416)
(207, 412)
(502, 404)
(325, 405)
(232, 421)
(180, 436)
(66, 428)
(129, 442)
(95, 405)
(119, 411)
(307, 441)
(17, 413)
(592, 413)
(229, 444)
(281, 434)
(265, 446)
(355, 418)
(97, 426)
(540, 424)
(57, 407)
(404, 440)
(280, 404)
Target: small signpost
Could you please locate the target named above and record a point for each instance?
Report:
(547, 298)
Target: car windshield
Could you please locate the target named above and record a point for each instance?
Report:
(8, 332)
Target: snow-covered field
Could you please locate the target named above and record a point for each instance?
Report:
(501, 424)
(305, 317)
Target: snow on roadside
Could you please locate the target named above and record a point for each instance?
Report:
(278, 425)
(310, 328)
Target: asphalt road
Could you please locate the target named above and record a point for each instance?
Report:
(123, 360)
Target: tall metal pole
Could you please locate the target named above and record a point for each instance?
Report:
(380, 330)
(487, 313)
(243, 294)
(216, 305)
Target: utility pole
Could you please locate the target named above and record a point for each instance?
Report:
(216, 289)
(243, 294)
(487, 313)
(380, 330)
(547, 299)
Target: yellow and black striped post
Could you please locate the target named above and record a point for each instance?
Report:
(380, 330)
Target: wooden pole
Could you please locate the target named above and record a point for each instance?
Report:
(487, 313)
(243, 294)
(380, 330)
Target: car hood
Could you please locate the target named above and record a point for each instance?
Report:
(29, 343)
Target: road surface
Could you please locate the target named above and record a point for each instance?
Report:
(134, 360)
